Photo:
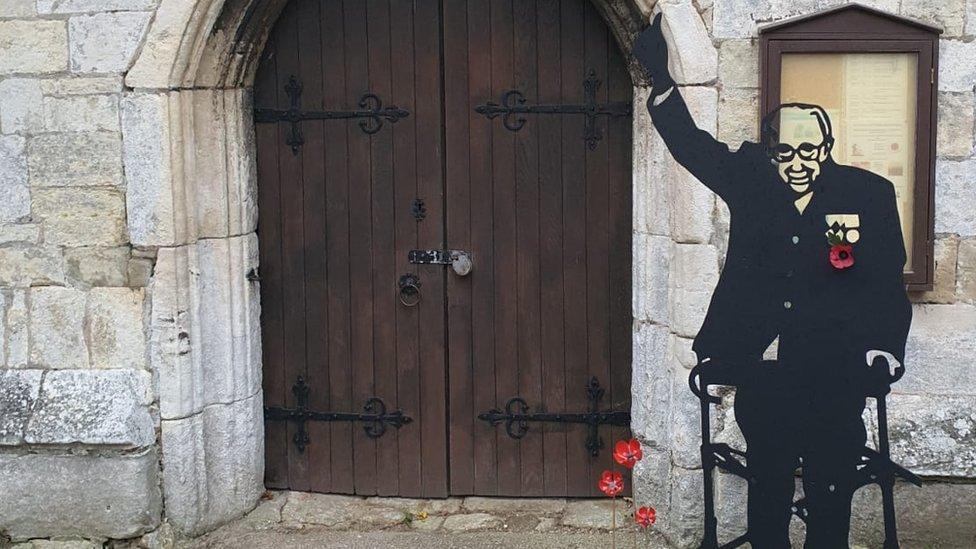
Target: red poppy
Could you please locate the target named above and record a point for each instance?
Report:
(645, 516)
(611, 483)
(841, 256)
(628, 452)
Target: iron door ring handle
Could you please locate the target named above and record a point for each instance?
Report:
(409, 290)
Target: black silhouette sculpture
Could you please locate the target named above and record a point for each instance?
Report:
(815, 260)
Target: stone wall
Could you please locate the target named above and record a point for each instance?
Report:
(677, 256)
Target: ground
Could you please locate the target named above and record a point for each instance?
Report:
(300, 520)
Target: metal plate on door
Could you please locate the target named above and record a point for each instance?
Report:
(459, 260)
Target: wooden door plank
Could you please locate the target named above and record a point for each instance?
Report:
(405, 183)
(504, 242)
(384, 212)
(485, 396)
(430, 174)
(313, 232)
(551, 247)
(275, 384)
(578, 474)
(457, 109)
(526, 76)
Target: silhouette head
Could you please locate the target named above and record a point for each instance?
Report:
(799, 144)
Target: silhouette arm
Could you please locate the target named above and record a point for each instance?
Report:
(893, 314)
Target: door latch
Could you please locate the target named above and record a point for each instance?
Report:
(459, 260)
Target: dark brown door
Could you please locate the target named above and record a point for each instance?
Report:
(545, 213)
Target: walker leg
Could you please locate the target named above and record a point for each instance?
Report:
(710, 537)
(887, 481)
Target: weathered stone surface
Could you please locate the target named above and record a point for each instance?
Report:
(57, 328)
(938, 514)
(79, 159)
(651, 384)
(105, 42)
(329, 510)
(81, 113)
(96, 496)
(206, 325)
(87, 6)
(97, 266)
(934, 434)
(152, 67)
(81, 85)
(93, 407)
(955, 124)
(149, 176)
(652, 190)
(736, 18)
(731, 497)
(432, 506)
(956, 72)
(593, 513)
(18, 393)
(26, 233)
(939, 351)
(116, 330)
(738, 116)
(20, 104)
(33, 46)
(692, 203)
(138, 272)
(738, 64)
(26, 265)
(944, 280)
(213, 464)
(652, 484)
(687, 507)
(966, 271)
(692, 59)
(17, 8)
(61, 544)
(14, 192)
(948, 14)
(15, 335)
(693, 277)
(267, 514)
(955, 201)
(471, 522)
(73, 216)
(508, 505)
(652, 260)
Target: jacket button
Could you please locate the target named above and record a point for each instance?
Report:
(796, 239)
(787, 304)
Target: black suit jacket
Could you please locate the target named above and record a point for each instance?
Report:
(777, 279)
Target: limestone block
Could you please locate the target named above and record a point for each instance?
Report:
(471, 522)
(736, 18)
(33, 46)
(652, 260)
(75, 159)
(956, 71)
(213, 464)
(17, 8)
(966, 271)
(95, 266)
(950, 15)
(94, 496)
(933, 435)
(651, 384)
(116, 330)
(944, 281)
(81, 85)
(93, 407)
(684, 529)
(738, 64)
(652, 483)
(138, 272)
(685, 422)
(81, 113)
(73, 216)
(334, 511)
(14, 192)
(738, 116)
(149, 170)
(205, 325)
(20, 104)
(87, 6)
(693, 277)
(174, 20)
(940, 350)
(23, 265)
(105, 42)
(731, 500)
(955, 124)
(692, 204)
(955, 201)
(26, 233)
(592, 513)
(652, 190)
(15, 326)
(18, 393)
(692, 58)
(938, 514)
(57, 328)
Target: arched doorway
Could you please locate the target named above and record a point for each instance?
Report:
(357, 336)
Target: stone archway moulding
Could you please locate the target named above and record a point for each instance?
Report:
(189, 158)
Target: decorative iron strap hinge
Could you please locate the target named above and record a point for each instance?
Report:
(376, 417)
(371, 110)
(517, 417)
(513, 106)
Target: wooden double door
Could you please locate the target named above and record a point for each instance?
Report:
(384, 127)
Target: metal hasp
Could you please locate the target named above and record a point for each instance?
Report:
(459, 260)
(375, 417)
(517, 417)
(513, 106)
(371, 110)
